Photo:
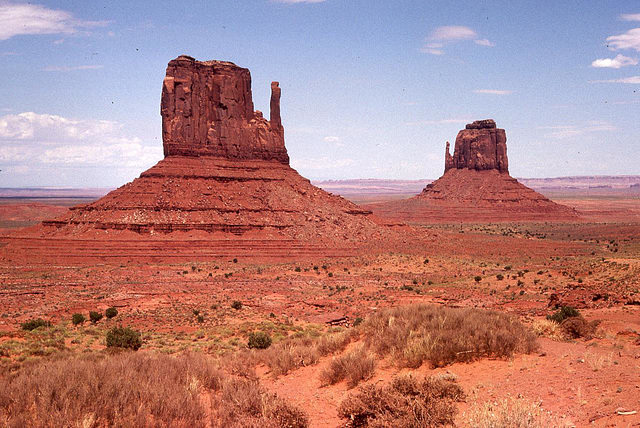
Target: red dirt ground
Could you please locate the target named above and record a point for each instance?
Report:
(593, 264)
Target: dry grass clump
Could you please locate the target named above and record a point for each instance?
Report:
(134, 390)
(576, 327)
(243, 403)
(289, 355)
(355, 366)
(549, 329)
(511, 413)
(420, 333)
(405, 402)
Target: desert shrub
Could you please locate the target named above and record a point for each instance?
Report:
(111, 313)
(415, 334)
(354, 366)
(510, 413)
(576, 327)
(95, 316)
(499, 277)
(236, 304)
(259, 340)
(200, 318)
(124, 337)
(243, 403)
(406, 402)
(477, 278)
(34, 323)
(548, 328)
(563, 313)
(77, 319)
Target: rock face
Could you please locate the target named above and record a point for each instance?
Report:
(480, 146)
(225, 172)
(207, 110)
(476, 186)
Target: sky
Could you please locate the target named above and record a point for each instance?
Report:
(370, 89)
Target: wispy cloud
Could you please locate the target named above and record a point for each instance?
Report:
(440, 122)
(618, 62)
(337, 141)
(568, 131)
(24, 18)
(492, 91)
(72, 68)
(628, 40)
(442, 36)
(630, 17)
(633, 80)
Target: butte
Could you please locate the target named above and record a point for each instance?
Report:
(224, 187)
(476, 186)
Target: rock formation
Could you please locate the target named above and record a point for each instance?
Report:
(207, 110)
(225, 173)
(476, 186)
(480, 146)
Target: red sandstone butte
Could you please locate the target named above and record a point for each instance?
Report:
(225, 176)
(476, 186)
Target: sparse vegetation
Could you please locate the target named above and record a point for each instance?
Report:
(236, 304)
(124, 337)
(95, 316)
(34, 323)
(111, 313)
(511, 413)
(78, 319)
(563, 313)
(259, 340)
(406, 402)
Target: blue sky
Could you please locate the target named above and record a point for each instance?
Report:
(371, 89)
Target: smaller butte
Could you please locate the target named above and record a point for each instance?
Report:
(476, 186)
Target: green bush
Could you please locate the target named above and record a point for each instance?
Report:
(259, 340)
(563, 313)
(35, 323)
(77, 319)
(236, 304)
(124, 337)
(111, 312)
(95, 316)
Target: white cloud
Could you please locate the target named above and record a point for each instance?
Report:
(24, 18)
(630, 17)
(40, 140)
(633, 80)
(628, 40)
(492, 91)
(336, 141)
(72, 68)
(452, 32)
(618, 62)
(52, 128)
(442, 36)
(569, 131)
